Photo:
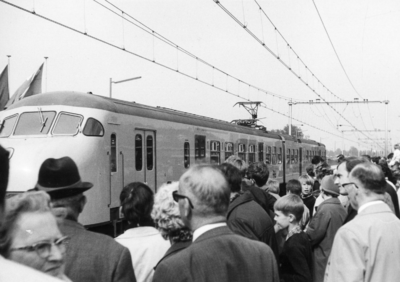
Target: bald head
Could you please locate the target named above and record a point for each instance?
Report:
(207, 188)
(369, 176)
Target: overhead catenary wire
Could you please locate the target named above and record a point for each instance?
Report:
(157, 63)
(340, 61)
(218, 2)
(147, 29)
(334, 49)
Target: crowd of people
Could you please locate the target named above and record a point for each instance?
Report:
(227, 222)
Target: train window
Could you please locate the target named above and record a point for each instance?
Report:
(34, 123)
(260, 152)
(252, 153)
(199, 147)
(93, 128)
(273, 155)
(7, 126)
(280, 156)
(292, 155)
(186, 154)
(288, 156)
(149, 149)
(242, 151)
(67, 124)
(268, 157)
(228, 150)
(296, 156)
(138, 152)
(113, 156)
(215, 152)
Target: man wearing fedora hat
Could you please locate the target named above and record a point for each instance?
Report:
(324, 225)
(90, 256)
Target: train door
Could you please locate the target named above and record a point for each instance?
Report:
(116, 171)
(300, 161)
(145, 160)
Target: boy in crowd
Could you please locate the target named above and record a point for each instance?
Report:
(296, 257)
(306, 192)
(294, 187)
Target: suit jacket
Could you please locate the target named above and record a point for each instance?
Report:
(174, 249)
(321, 232)
(367, 248)
(220, 255)
(295, 261)
(247, 218)
(95, 257)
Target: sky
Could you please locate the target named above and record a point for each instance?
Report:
(364, 34)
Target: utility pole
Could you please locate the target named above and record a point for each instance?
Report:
(386, 127)
(290, 117)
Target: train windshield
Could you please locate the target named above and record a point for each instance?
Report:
(67, 124)
(7, 126)
(34, 123)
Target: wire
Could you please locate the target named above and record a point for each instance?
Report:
(281, 61)
(334, 49)
(167, 67)
(149, 30)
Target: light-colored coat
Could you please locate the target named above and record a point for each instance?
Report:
(367, 248)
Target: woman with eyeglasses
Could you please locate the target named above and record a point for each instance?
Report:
(144, 242)
(29, 234)
(168, 219)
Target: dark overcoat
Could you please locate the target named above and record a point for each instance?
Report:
(247, 218)
(93, 257)
(220, 255)
(321, 232)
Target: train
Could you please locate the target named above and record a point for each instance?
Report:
(115, 142)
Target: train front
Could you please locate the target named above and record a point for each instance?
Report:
(48, 126)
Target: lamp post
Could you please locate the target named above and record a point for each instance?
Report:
(120, 81)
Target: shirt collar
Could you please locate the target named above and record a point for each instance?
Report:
(295, 230)
(203, 229)
(366, 205)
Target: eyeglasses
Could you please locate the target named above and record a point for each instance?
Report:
(43, 249)
(177, 197)
(349, 183)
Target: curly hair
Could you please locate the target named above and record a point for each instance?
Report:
(15, 206)
(166, 215)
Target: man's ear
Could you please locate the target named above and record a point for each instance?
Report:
(83, 202)
(187, 210)
(291, 217)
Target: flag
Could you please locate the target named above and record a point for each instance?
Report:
(4, 91)
(36, 85)
(21, 90)
(31, 86)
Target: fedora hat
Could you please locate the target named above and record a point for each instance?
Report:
(328, 185)
(60, 178)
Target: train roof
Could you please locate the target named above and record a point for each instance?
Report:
(87, 100)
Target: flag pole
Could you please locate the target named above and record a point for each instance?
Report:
(47, 70)
(9, 75)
